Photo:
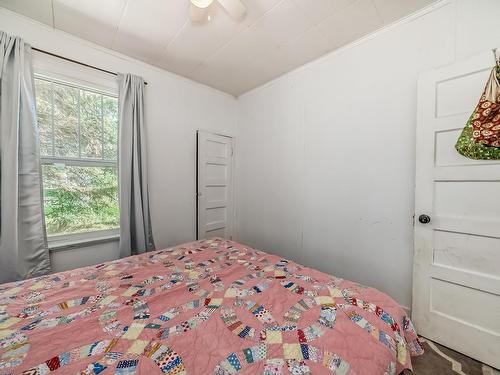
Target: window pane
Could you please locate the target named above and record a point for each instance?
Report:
(80, 199)
(90, 125)
(66, 121)
(110, 119)
(44, 115)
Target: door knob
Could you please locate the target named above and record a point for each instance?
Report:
(424, 219)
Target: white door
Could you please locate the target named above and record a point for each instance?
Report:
(215, 185)
(456, 284)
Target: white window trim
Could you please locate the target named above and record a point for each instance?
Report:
(77, 240)
(60, 71)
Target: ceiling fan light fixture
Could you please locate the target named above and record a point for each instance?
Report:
(199, 9)
(203, 4)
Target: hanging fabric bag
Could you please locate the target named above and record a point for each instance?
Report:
(480, 138)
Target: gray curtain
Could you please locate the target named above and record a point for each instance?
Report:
(136, 235)
(23, 243)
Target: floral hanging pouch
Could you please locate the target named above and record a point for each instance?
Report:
(480, 138)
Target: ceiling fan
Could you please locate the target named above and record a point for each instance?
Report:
(199, 10)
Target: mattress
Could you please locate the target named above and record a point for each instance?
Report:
(207, 307)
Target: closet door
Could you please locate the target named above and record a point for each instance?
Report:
(456, 285)
(215, 185)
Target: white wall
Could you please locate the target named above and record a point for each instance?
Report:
(326, 154)
(175, 108)
(72, 258)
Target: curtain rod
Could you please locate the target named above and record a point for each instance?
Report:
(77, 62)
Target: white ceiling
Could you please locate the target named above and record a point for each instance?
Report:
(275, 37)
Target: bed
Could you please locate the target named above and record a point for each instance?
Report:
(206, 307)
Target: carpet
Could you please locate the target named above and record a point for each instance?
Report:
(439, 360)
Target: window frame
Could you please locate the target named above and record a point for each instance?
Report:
(60, 72)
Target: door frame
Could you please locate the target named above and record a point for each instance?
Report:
(233, 179)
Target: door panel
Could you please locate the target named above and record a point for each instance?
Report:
(456, 282)
(467, 252)
(215, 186)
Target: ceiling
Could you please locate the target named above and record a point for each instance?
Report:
(275, 37)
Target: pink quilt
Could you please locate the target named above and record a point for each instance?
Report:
(207, 307)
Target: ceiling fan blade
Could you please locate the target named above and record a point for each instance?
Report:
(235, 8)
(197, 14)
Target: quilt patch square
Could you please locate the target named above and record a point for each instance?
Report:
(134, 331)
(292, 351)
(273, 337)
(324, 300)
(138, 347)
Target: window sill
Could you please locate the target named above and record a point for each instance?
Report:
(63, 245)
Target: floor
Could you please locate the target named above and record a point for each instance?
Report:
(439, 360)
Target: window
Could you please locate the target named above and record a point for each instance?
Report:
(78, 147)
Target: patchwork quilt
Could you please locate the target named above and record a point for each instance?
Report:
(207, 307)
